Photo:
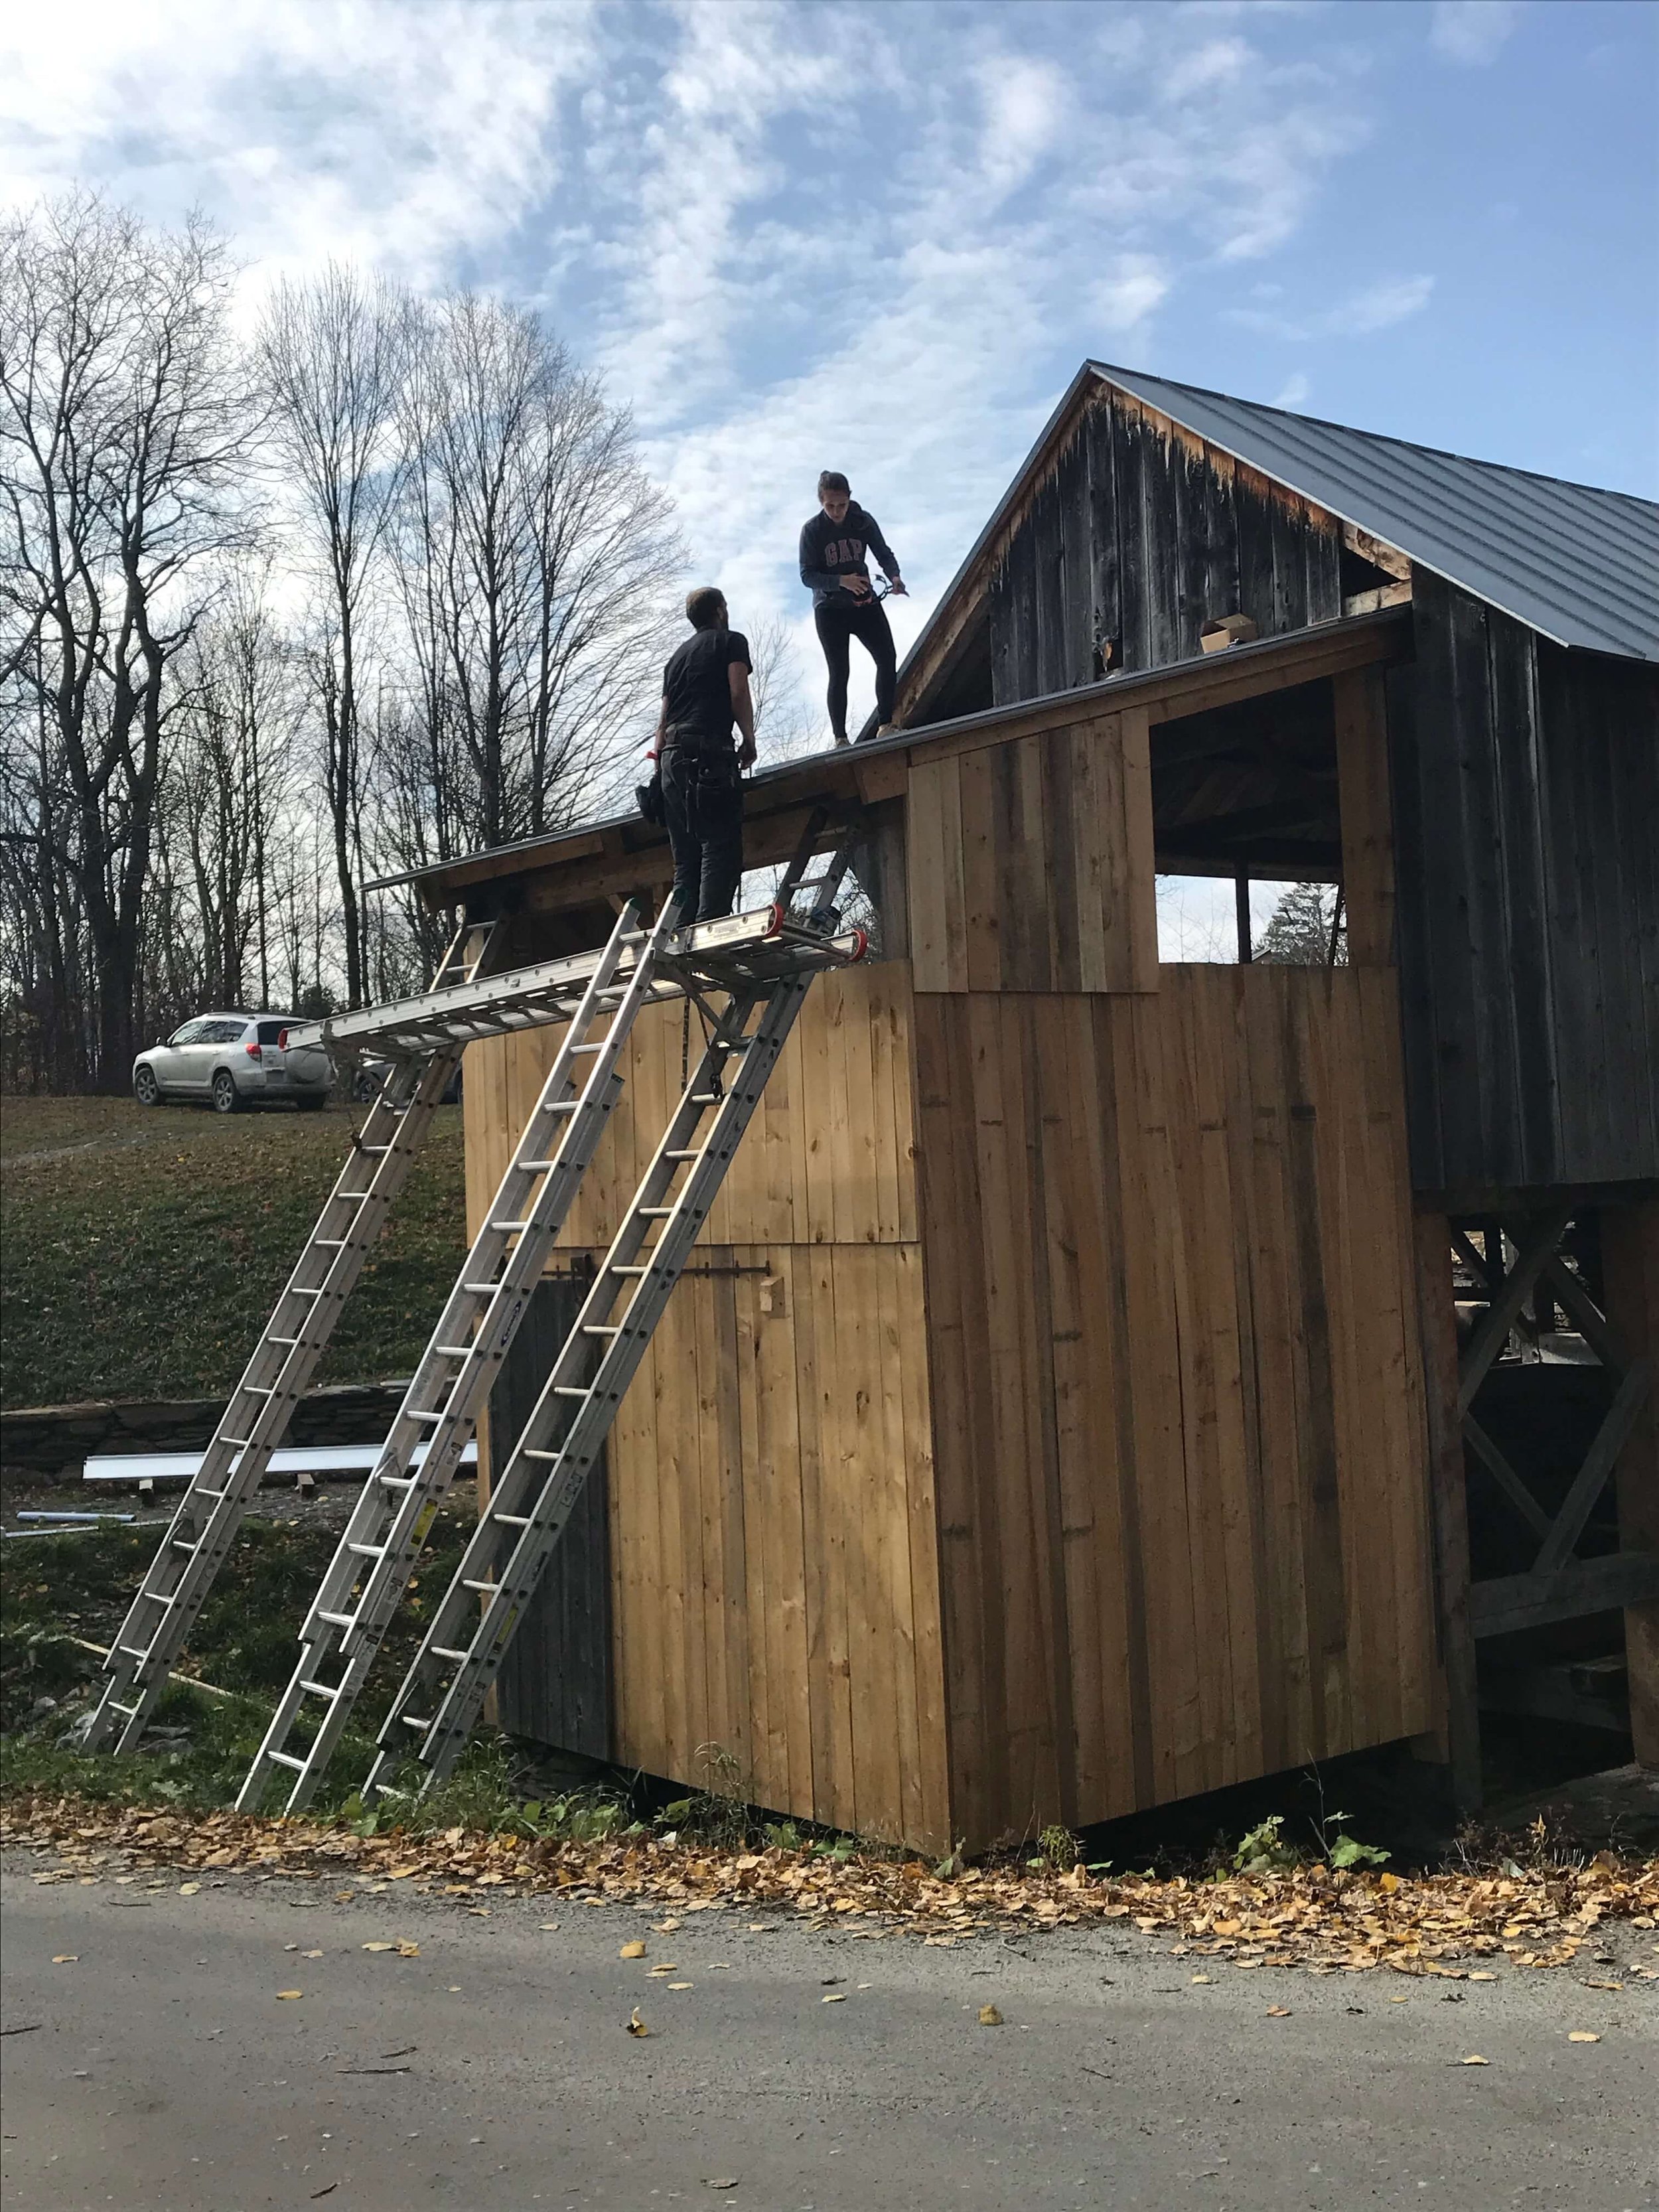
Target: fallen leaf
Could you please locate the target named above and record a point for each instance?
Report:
(1278, 2012)
(1200, 1977)
(1398, 2000)
(549, 1927)
(988, 2016)
(405, 1951)
(1604, 1985)
(634, 1950)
(836, 1996)
(290, 1993)
(1389, 1882)
(311, 1955)
(189, 1888)
(66, 1958)
(679, 1986)
(636, 2025)
(1475, 2059)
(1478, 1976)
(726, 2182)
(379, 1946)
(1582, 2035)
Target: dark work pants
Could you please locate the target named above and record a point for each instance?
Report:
(703, 805)
(839, 622)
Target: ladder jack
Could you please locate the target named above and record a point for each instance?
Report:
(756, 963)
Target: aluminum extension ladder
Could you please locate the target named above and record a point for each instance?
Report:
(439, 1701)
(204, 1528)
(364, 1583)
(765, 960)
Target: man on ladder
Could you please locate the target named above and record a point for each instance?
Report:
(844, 604)
(705, 690)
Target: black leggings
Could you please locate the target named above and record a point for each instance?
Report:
(839, 622)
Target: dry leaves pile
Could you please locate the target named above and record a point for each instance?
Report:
(1311, 1916)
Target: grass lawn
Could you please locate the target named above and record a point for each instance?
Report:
(56, 1589)
(140, 1251)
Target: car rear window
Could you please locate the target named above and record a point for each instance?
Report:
(226, 1032)
(269, 1031)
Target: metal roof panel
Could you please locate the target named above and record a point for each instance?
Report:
(1577, 563)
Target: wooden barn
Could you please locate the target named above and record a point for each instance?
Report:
(1103, 1378)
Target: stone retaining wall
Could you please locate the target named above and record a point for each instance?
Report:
(49, 1443)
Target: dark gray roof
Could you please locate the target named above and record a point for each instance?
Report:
(1578, 564)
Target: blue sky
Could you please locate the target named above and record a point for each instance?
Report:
(883, 237)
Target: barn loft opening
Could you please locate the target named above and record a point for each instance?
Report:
(1244, 804)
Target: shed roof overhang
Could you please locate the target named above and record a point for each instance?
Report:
(584, 869)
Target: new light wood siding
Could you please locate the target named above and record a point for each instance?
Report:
(772, 1537)
(1030, 862)
(1179, 1429)
(828, 1158)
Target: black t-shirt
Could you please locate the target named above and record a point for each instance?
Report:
(698, 690)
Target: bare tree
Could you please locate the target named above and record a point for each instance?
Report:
(230, 780)
(124, 435)
(534, 558)
(332, 355)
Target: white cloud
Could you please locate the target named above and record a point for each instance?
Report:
(790, 234)
(1292, 392)
(1379, 307)
(1374, 307)
(1472, 31)
(1122, 299)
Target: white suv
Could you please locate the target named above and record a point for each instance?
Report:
(230, 1061)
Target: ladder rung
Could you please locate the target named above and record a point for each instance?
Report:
(467, 1583)
(286, 1759)
(508, 1228)
(561, 1106)
(511, 1520)
(334, 1244)
(411, 1720)
(319, 1690)
(693, 1152)
(652, 1212)
(706, 1098)
(216, 1495)
(339, 1619)
(483, 1290)
(572, 1389)
(535, 1167)
(601, 1328)
(442, 1651)
(288, 1342)
(304, 1290)
(399, 1481)
(140, 1652)
(530, 1452)
(116, 1707)
(425, 1417)
(367, 1551)
(185, 1544)
(453, 1351)
(592, 1047)
(629, 1271)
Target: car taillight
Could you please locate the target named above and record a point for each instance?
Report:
(252, 1050)
(282, 1040)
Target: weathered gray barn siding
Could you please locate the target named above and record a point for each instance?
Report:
(1526, 799)
(1139, 536)
(554, 1682)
